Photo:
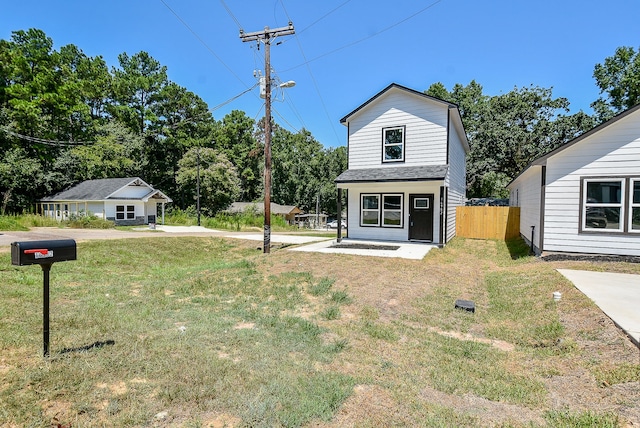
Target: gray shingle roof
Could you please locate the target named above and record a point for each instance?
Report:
(92, 190)
(405, 173)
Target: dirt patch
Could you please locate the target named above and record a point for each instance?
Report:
(244, 326)
(491, 413)
(498, 344)
(369, 405)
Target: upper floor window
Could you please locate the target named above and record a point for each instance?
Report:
(393, 144)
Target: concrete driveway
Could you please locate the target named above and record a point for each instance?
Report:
(617, 294)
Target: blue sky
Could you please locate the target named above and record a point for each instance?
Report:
(344, 52)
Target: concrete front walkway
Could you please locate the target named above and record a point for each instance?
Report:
(617, 294)
(404, 250)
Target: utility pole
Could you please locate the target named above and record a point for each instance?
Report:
(265, 37)
(198, 183)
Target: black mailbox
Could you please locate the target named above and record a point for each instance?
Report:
(42, 252)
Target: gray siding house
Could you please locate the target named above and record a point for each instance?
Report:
(406, 167)
(584, 197)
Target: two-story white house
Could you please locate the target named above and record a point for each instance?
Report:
(406, 167)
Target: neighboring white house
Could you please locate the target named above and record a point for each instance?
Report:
(126, 201)
(407, 167)
(584, 197)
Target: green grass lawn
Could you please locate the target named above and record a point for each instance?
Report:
(185, 331)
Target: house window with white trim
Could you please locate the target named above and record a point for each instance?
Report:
(634, 221)
(602, 204)
(393, 144)
(370, 210)
(381, 210)
(128, 212)
(392, 210)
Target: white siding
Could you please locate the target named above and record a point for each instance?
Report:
(96, 208)
(526, 193)
(356, 231)
(132, 192)
(613, 151)
(425, 134)
(456, 181)
(110, 207)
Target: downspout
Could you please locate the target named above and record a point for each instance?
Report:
(339, 207)
(543, 191)
(442, 219)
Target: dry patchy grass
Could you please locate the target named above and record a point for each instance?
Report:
(311, 339)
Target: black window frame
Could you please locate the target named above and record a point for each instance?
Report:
(403, 144)
(381, 210)
(127, 212)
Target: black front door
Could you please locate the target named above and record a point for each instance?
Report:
(421, 217)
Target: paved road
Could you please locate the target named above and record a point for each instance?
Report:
(45, 233)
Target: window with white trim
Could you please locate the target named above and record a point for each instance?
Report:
(602, 204)
(392, 210)
(369, 210)
(128, 212)
(634, 219)
(381, 210)
(393, 144)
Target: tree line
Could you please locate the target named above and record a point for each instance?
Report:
(66, 117)
(507, 132)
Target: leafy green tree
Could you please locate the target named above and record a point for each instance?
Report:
(21, 178)
(508, 131)
(334, 164)
(235, 137)
(115, 153)
(137, 85)
(43, 93)
(182, 121)
(219, 183)
(304, 171)
(619, 78)
(30, 83)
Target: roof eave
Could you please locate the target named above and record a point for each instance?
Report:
(345, 119)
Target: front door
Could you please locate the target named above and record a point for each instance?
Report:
(421, 217)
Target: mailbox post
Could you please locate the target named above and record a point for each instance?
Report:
(43, 253)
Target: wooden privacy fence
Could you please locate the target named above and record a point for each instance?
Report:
(488, 222)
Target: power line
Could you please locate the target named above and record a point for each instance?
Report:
(203, 42)
(231, 14)
(319, 19)
(286, 121)
(315, 83)
(366, 38)
(57, 143)
(233, 98)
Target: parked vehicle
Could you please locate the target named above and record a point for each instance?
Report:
(334, 224)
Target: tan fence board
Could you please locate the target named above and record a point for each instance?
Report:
(488, 222)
